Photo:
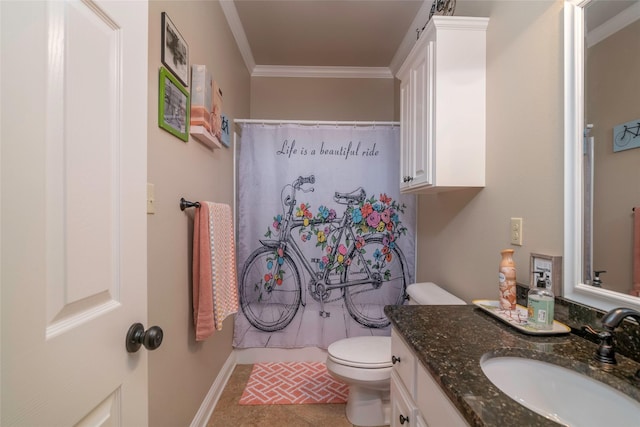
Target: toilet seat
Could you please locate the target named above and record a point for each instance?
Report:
(362, 352)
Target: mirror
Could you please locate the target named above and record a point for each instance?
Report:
(582, 220)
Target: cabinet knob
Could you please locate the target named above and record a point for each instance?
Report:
(403, 419)
(394, 360)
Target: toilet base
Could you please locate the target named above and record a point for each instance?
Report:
(367, 407)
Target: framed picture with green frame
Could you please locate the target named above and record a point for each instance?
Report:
(173, 105)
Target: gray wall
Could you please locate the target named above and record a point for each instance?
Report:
(182, 370)
(322, 99)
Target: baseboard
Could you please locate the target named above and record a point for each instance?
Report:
(211, 399)
(248, 356)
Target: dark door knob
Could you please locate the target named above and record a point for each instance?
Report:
(137, 336)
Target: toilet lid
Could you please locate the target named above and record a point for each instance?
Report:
(362, 352)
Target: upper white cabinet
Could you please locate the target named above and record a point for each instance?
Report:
(442, 107)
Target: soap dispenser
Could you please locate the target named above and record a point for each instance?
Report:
(540, 304)
(597, 281)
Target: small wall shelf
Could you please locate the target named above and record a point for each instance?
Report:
(201, 134)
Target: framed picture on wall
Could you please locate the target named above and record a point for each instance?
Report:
(175, 51)
(173, 105)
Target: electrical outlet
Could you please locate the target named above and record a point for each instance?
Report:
(516, 231)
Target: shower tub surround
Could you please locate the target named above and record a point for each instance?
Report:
(449, 341)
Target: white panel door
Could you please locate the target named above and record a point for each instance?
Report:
(73, 234)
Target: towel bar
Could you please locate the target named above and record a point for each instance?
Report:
(187, 204)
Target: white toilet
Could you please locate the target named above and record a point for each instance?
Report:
(364, 363)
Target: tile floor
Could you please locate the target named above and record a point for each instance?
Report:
(228, 413)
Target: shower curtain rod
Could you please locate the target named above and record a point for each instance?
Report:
(315, 122)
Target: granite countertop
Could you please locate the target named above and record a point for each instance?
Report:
(449, 342)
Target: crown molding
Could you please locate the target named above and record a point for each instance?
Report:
(613, 25)
(322, 72)
(231, 13)
(411, 37)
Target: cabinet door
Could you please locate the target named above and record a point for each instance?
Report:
(433, 404)
(422, 105)
(403, 410)
(406, 142)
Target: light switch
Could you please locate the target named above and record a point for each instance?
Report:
(151, 199)
(516, 231)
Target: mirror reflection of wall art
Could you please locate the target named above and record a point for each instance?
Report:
(175, 51)
(173, 106)
(626, 135)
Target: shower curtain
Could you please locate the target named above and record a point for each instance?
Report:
(325, 240)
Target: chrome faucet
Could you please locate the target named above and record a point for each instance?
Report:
(611, 320)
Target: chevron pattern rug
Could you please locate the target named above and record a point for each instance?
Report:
(291, 383)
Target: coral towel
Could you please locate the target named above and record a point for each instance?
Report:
(202, 291)
(215, 293)
(223, 263)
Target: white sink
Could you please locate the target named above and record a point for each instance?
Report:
(560, 394)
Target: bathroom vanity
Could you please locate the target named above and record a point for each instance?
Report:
(439, 380)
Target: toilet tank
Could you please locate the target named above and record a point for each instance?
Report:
(428, 293)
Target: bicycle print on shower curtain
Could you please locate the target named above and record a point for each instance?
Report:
(325, 240)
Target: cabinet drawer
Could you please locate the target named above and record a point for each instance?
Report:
(405, 367)
(433, 404)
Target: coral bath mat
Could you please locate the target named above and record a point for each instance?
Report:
(290, 383)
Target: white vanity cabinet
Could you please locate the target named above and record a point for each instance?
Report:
(442, 107)
(416, 399)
